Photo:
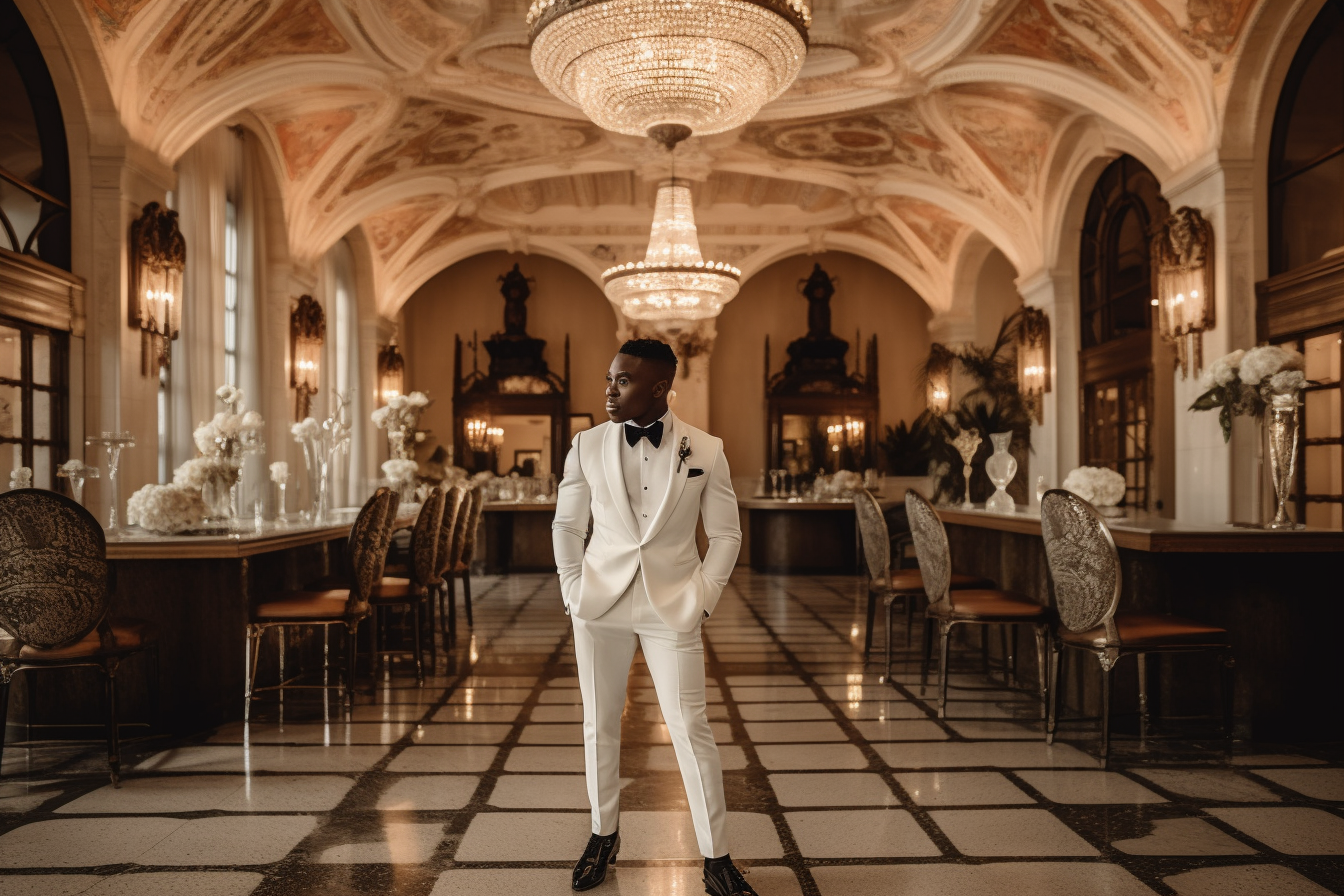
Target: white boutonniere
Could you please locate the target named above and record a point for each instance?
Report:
(683, 452)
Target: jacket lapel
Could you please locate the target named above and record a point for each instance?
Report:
(611, 465)
(676, 479)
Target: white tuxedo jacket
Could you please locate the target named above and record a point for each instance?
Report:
(680, 587)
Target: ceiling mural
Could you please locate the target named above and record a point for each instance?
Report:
(911, 123)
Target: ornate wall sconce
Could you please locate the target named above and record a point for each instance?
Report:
(391, 372)
(938, 391)
(1182, 257)
(478, 434)
(158, 258)
(1033, 360)
(307, 333)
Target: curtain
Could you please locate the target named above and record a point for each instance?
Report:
(345, 371)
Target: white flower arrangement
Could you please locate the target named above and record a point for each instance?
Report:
(280, 472)
(1098, 486)
(400, 470)
(1244, 382)
(166, 509)
(401, 417)
(231, 432)
(306, 429)
(21, 477)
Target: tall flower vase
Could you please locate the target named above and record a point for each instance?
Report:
(1001, 468)
(323, 492)
(396, 443)
(1281, 428)
(217, 495)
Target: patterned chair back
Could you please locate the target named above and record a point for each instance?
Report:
(473, 519)
(875, 537)
(53, 568)
(454, 512)
(367, 548)
(425, 538)
(1083, 561)
(935, 557)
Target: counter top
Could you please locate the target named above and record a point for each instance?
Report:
(1144, 531)
(499, 506)
(136, 544)
(802, 504)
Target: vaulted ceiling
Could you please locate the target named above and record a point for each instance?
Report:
(917, 127)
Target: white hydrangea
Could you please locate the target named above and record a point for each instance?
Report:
(280, 472)
(305, 429)
(1224, 370)
(1264, 361)
(399, 470)
(166, 509)
(1287, 382)
(379, 417)
(1098, 486)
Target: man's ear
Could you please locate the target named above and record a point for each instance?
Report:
(660, 389)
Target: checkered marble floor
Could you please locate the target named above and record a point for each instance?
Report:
(838, 784)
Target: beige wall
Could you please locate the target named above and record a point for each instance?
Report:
(465, 297)
(996, 297)
(867, 297)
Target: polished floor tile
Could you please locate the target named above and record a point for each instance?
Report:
(779, 712)
(1244, 880)
(832, 789)
(312, 733)
(1184, 837)
(664, 759)
(1010, 832)
(1295, 831)
(475, 713)
(432, 793)
(1317, 783)
(860, 833)
(1215, 785)
(962, 789)
(812, 756)
(541, 792)
(794, 732)
(460, 734)
(473, 758)
(1034, 878)
(878, 731)
(157, 883)
(1009, 754)
(400, 844)
(219, 793)
(1089, 787)
(265, 758)
(544, 759)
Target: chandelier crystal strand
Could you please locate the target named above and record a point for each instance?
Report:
(631, 65)
(673, 281)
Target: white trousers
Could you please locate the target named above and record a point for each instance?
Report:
(604, 648)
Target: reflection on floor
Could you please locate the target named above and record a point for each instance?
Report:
(838, 784)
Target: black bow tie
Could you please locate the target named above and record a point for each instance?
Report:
(653, 432)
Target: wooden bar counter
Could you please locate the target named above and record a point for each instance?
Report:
(807, 537)
(1278, 593)
(197, 589)
(518, 537)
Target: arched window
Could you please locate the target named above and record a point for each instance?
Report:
(1115, 296)
(34, 162)
(1306, 155)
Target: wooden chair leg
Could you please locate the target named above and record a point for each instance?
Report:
(419, 647)
(280, 640)
(1042, 672)
(1143, 696)
(430, 627)
(113, 723)
(1056, 685)
(1105, 715)
(466, 597)
(372, 620)
(1007, 655)
(252, 654)
(351, 642)
(909, 619)
(452, 609)
(887, 679)
(928, 651)
(945, 636)
(6, 675)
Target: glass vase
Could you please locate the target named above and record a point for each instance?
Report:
(322, 511)
(1281, 428)
(1001, 468)
(217, 493)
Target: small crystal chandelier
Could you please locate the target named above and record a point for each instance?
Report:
(701, 66)
(673, 281)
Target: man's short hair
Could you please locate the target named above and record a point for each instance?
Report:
(650, 349)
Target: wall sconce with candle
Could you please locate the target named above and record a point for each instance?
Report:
(938, 375)
(1033, 359)
(1182, 255)
(391, 372)
(158, 258)
(478, 434)
(307, 333)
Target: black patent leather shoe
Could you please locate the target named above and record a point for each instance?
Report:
(723, 879)
(600, 854)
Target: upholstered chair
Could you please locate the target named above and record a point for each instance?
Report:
(465, 550)
(55, 595)
(410, 592)
(887, 583)
(348, 607)
(949, 608)
(1085, 578)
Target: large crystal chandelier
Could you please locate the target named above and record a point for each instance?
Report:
(668, 68)
(673, 281)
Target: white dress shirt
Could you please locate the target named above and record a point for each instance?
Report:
(645, 470)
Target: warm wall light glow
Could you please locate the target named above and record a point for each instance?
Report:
(391, 372)
(307, 333)
(478, 434)
(1033, 360)
(938, 391)
(158, 259)
(1183, 285)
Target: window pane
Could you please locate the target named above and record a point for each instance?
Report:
(1312, 221)
(1324, 469)
(42, 467)
(11, 412)
(1323, 414)
(1317, 123)
(11, 353)
(41, 414)
(1322, 358)
(11, 458)
(42, 359)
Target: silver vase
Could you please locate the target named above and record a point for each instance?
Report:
(1281, 427)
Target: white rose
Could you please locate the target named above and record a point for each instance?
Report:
(417, 399)
(379, 417)
(1224, 370)
(280, 472)
(252, 421)
(1099, 486)
(1264, 361)
(397, 402)
(1287, 382)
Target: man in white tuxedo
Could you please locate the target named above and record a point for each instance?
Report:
(643, 480)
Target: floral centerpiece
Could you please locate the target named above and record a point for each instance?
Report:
(222, 441)
(1101, 487)
(21, 477)
(1266, 383)
(76, 472)
(167, 509)
(402, 473)
(401, 417)
(324, 444)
